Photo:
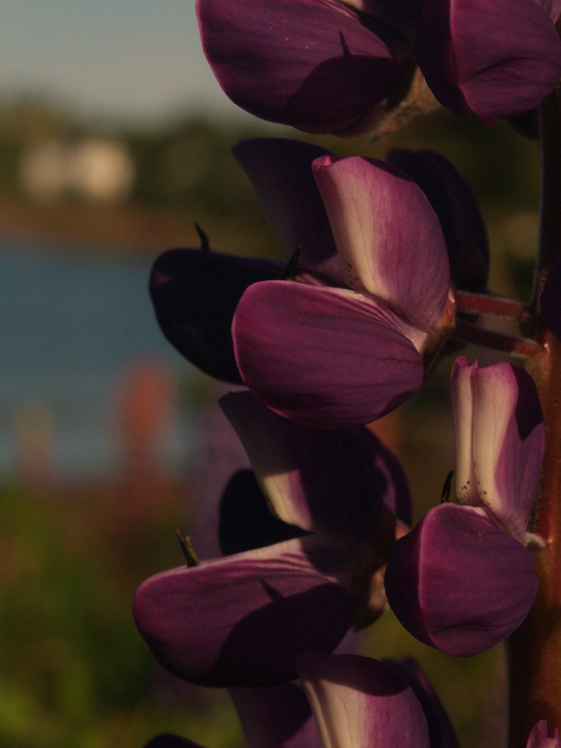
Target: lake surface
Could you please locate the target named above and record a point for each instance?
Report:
(73, 327)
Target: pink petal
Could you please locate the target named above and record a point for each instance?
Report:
(458, 583)
(359, 703)
(388, 236)
(322, 356)
(329, 482)
(538, 737)
(243, 620)
(311, 64)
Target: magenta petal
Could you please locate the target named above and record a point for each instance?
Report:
(550, 301)
(306, 63)
(195, 293)
(457, 211)
(387, 235)
(538, 737)
(499, 440)
(243, 620)
(276, 717)
(332, 483)
(498, 58)
(358, 702)
(458, 583)
(322, 356)
(281, 173)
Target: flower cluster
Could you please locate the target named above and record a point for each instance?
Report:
(383, 258)
(333, 65)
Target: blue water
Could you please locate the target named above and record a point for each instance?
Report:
(71, 326)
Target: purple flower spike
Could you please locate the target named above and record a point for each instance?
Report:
(280, 172)
(325, 357)
(360, 703)
(195, 293)
(243, 620)
(457, 211)
(458, 583)
(499, 440)
(388, 236)
(550, 301)
(333, 483)
(538, 737)
(307, 63)
(497, 58)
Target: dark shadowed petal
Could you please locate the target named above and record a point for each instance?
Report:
(167, 740)
(306, 63)
(323, 356)
(281, 173)
(441, 732)
(360, 703)
(195, 293)
(328, 482)
(244, 619)
(498, 58)
(276, 717)
(387, 235)
(458, 583)
(457, 211)
(538, 737)
(246, 522)
(550, 301)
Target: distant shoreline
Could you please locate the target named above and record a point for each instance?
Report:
(96, 227)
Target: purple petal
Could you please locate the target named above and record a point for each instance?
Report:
(441, 732)
(360, 703)
(276, 717)
(167, 740)
(306, 63)
(281, 173)
(246, 522)
(505, 459)
(329, 482)
(457, 211)
(243, 620)
(195, 294)
(550, 301)
(498, 58)
(458, 583)
(388, 236)
(321, 356)
(538, 737)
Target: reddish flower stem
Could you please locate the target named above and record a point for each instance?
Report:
(535, 649)
(522, 347)
(485, 304)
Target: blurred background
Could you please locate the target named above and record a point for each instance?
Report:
(114, 139)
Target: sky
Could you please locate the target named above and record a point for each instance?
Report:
(138, 61)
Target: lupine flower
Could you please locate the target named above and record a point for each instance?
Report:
(243, 620)
(334, 357)
(462, 580)
(195, 292)
(331, 65)
(359, 702)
